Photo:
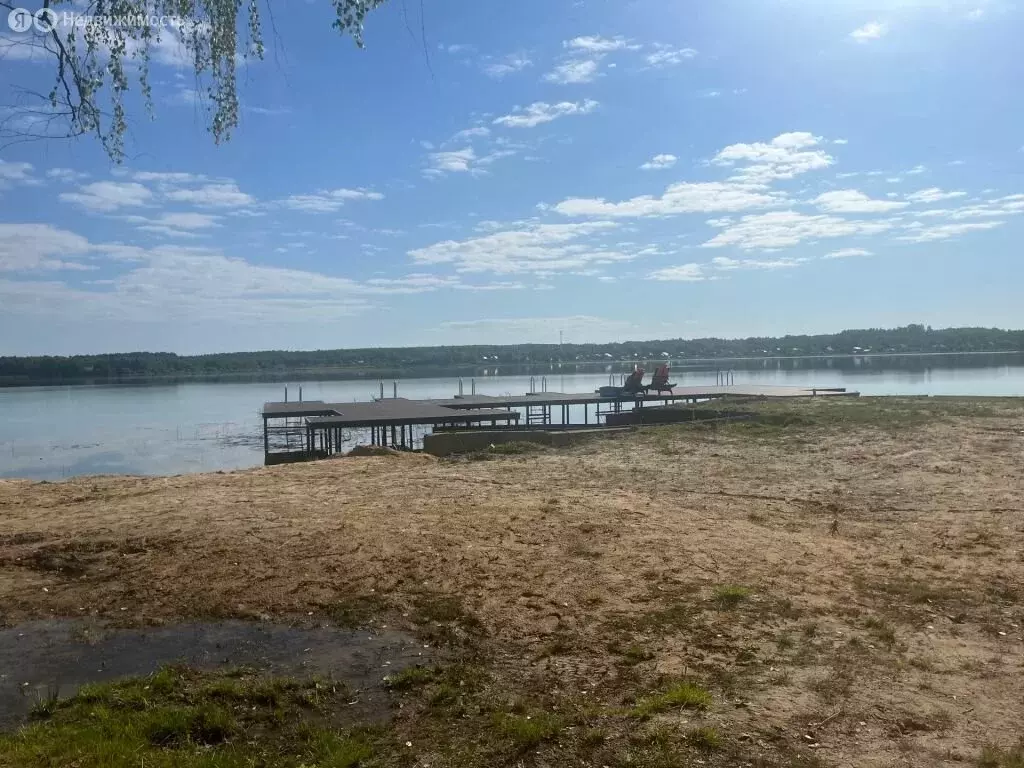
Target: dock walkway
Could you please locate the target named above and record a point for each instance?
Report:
(313, 428)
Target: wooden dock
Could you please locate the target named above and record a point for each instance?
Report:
(293, 431)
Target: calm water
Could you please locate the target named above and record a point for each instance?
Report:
(56, 432)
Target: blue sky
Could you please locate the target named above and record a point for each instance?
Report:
(613, 170)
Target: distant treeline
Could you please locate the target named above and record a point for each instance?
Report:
(421, 360)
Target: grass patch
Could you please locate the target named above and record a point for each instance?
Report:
(443, 609)
(706, 739)
(356, 611)
(683, 695)
(881, 630)
(914, 591)
(730, 596)
(179, 717)
(412, 677)
(994, 757)
(527, 731)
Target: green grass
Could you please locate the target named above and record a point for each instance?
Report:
(683, 695)
(528, 731)
(728, 597)
(706, 739)
(433, 608)
(413, 677)
(182, 718)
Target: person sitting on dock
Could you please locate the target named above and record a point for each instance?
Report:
(634, 385)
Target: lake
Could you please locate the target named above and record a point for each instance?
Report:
(162, 429)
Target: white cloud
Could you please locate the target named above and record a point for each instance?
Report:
(598, 44)
(175, 224)
(530, 247)
(933, 195)
(165, 177)
(268, 111)
(784, 157)
(783, 229)
(476, 132)
(15, 173)
(976, 14)
(458, 48)
(66, 174)
(684, 273)
(846, 253)
(948, 231)
(852, 201)
(871, 31)
(328, 201)
(659, 163)
(666, 56)
(462, 161)
(917, 170)
(457, 161)
(33, 247)
(1010, 205)
(418, 282)
(541, 112)
(226, 195)
(726, 264)
(705, 197)
(103, 196)
(841, 142)
(185, 284)
(498, 286)
(573, 71)
(514, 62)
(183, 96)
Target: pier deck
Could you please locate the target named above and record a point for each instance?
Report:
(314, 428)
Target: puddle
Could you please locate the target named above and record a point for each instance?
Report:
(42, 657)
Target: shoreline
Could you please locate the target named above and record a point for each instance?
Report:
(707, 364)
(618, 602)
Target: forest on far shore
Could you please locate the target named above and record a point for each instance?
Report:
(911, 339)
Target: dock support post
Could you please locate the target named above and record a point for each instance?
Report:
(266, 439)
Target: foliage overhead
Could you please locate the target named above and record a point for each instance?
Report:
(109, 41)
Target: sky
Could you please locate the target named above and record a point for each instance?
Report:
(496, 172)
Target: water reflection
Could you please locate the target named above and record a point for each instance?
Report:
(57, 432)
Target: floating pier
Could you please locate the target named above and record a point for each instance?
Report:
(298, 431)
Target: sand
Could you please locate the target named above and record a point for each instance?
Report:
(873, 551)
